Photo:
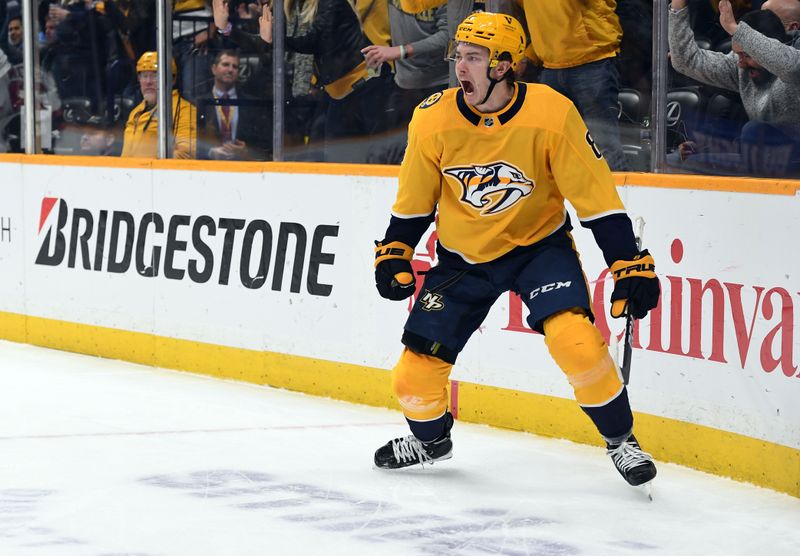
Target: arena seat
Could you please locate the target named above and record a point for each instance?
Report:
(685, 110)
(76, 109)
(633, 116)
(723, 46)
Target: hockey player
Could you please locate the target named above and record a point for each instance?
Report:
(498, 158)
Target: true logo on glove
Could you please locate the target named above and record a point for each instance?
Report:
(634, 268)
(389, 251)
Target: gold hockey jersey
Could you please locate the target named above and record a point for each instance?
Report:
(566, 33)
(500, 179)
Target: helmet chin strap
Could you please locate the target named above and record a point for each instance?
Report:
(492, 83)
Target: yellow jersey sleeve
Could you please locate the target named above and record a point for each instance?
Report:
(420, 175)
(581, 172)
(419, 6)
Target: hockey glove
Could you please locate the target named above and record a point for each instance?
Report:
(636, 288)
(394, 276)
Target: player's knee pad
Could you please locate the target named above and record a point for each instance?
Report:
(577, 347)
(420, 384)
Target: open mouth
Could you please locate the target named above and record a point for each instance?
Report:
(467, 87)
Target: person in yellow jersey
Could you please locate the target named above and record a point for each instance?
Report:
(497, 159)
(578, 42)
(141, 129)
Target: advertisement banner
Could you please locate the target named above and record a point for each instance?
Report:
(282, 262)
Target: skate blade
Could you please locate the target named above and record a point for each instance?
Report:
(647, 489)
(447, 456)
(417, 465)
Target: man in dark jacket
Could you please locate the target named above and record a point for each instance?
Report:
(232, 125)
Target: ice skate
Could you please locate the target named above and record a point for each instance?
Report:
(635, 465)
(404, 452)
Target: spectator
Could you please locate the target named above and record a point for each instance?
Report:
(302, 105)
(704, 20)
(190, 35)
(6, 110)
(374, 18)
(97, 137)
(789, 13)
(15, 32)
(46, 94)
(80, 53)
(141, 130)
(48, 9)
(47, 50)
(636, 49)
(237, 29)
(49, 33)
(419, 49)
(764, 70)
(133, 32)
(47, 101)
(15, 35)
(457, 10)
(357, 105)
(3, 23)
(234, 127)
(578, 43)
(135, 22)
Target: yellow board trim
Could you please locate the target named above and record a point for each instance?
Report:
(715, 451)
(766, 186)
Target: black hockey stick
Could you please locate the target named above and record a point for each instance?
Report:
(627, 349)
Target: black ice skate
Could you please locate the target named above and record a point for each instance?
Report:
(404, 452)
(635, 465)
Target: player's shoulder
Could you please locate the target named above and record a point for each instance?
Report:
(434, 114)
(546, 106)
(543, 95)
(436, 106)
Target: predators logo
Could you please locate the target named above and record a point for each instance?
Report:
(493, 187)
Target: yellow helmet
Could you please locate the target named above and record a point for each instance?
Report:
(149, 62)
(499, 33)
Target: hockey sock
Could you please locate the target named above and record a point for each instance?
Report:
(428, 431)
(613, 420)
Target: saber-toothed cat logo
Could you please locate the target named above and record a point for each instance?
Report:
(493, 187)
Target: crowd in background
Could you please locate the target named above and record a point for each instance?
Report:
(354, 70)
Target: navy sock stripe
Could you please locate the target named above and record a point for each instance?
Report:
(614, 419)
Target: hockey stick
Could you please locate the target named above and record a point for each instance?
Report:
(627, 349)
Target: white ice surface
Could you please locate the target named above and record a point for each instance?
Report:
(102, 458)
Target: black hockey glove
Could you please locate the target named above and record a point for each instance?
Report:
(394, 276)
(636, 288)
